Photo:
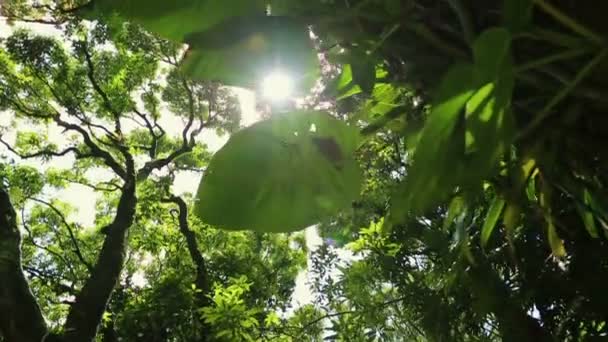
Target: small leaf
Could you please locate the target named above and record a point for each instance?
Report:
(586, 214)
(511, 218)
(491, 219)
(457, 206)
(557, 245)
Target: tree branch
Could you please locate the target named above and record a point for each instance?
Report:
(106, 100)
(43, 153)
(202, 277)
(73, 239)
(188, 140)
(96, 151)
(60, 257)
(202, 281)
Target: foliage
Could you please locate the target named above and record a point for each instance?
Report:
(233, 42)
(299, 170)
(483, 210)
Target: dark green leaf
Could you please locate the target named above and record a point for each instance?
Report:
(587, 215)
(517, 14)
(175, 19)
(491, 219)
(491, 52)
(364, 72)
(282, 174)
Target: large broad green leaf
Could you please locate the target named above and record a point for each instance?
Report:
(242, 51)
(231, 41)
(282, 174)
(175, 19)
(439, 153)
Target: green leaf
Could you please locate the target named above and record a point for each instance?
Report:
(489, 122)
(491, 53)
(230, 41)
(437, 160)
(457, 207)
(557, 245)
(517, 14)
(586, 214)
(282, 174)
(175, 19)
(243, 51)
(491, 219)
(343, 86)
(364, 72)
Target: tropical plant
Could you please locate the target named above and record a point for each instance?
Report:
(464, 136)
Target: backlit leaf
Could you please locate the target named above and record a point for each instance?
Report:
(282, 174)
(436, 160)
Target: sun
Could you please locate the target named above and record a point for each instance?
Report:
(277, 86)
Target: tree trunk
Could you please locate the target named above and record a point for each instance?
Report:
(87, 311)
(20, 317)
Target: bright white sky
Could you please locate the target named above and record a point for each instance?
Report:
(84, 199)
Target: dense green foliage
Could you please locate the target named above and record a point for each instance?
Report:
(458, 162)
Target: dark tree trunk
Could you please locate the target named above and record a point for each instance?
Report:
(86, 312)
(20, 317)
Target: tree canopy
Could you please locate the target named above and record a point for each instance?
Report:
(449, 153)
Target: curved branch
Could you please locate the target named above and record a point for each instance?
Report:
(96, 151)
(202, 277)
(202, 281)
(106, 100)
(188, 139)
(43, 153)
(60, 257)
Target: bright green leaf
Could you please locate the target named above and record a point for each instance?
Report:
(557, 245)
(437, 158)
(282, 174)
(457, 206)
